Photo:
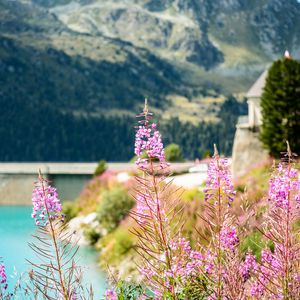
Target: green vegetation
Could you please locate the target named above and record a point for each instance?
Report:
(197, 140)
(115, 246)
(114, 206)
(173, 153)
(123, 242)
(92, 235)
(255, 242)
(129, 291)
(101, 168)
(281, 107)
(75, 138)
(70, 210)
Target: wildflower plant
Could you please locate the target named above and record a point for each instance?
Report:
(167, 256)
(224, 268)
(278, 274)
(56, 274)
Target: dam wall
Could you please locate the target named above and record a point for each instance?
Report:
(17, 180)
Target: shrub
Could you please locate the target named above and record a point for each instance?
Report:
(115, 246)
(123, 242)
(173, 152)
(70, 210)
(101, 168)
(92, 235)
(192, 194)
(114, 206)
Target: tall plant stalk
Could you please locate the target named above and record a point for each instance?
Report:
(54, 239)
(163, 250)
(57, 275)
(278, 273)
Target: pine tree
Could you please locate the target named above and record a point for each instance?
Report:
(280, 105)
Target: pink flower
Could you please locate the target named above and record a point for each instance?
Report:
(45, 203)
(219, 178)
(111, 295)
(281, 185)
(74, 295)
(145, 207)
(228, 238)
(148, 138)
(267, 271)
(3, 279)
(209, 262)
(248, 266)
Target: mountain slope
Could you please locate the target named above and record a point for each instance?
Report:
(90, 64)
(190, 30)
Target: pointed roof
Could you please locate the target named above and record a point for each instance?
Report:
(287, 54)
(257, 88)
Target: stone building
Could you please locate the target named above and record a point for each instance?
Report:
(247, 148)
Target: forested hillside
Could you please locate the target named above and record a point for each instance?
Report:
(74, 73)
(46, 135)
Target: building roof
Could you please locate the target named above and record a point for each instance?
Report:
(257, 88)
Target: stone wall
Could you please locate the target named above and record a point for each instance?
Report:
(247, 151)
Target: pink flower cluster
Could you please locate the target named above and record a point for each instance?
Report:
(45, 204)
(219, 177)
(269, 269)
(185, 264)
(3, 279)
(111, 295)
(286, 181)
(185, 261)
(148, 139)
(228, 238)
(248, 266)
(145, 207)
(209, 265)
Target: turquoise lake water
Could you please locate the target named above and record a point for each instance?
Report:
(16, 228)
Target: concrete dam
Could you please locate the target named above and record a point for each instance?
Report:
(17, 179)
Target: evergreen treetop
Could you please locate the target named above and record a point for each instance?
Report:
(280, 105)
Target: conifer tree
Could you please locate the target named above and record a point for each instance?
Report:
(280, 105)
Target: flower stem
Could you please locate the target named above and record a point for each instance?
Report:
(219, 237)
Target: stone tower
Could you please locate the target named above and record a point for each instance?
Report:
(247, 148)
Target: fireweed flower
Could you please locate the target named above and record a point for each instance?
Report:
(148, 140)
(167, 258)
(45, 203)
(268, 269)
(228, 238)
(248, 266)
(222, 259)
(3, 279)
(185, 263)
(276, 277)
(219, 179)
(282, 184)
(111, 295)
